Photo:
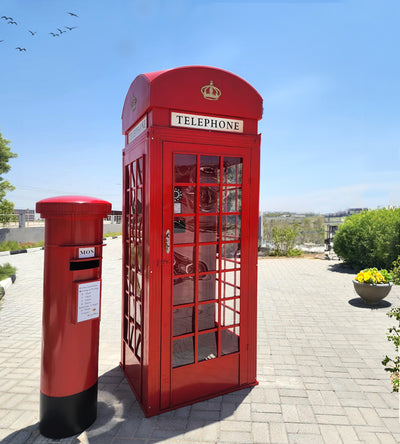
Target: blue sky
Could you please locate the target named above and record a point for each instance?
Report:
(328, 71)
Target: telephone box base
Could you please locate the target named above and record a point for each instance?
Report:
(148, 412)
(65, 416)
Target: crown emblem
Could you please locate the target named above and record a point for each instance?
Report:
(133, 103)
(210, 92)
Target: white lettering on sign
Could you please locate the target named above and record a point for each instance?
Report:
(137, 130)
(88, 301)
(86, 252)
(206, 122)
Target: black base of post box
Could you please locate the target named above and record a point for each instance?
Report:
(65, 416)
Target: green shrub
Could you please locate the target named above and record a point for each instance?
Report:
(395, 271)
(9, 246)
(14, 245)
(284, 238)
(369, 239)
(6, 271)
(392, 365)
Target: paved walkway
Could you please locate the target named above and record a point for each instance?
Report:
(319, 365)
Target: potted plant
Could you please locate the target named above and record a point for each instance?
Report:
(372, 285)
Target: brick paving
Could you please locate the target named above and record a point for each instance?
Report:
(319, 365)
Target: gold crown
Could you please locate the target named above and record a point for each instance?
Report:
(210, 92)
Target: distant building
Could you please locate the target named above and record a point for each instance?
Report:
(29, 214)
(332, 222)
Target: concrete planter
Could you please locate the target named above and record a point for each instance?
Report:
(372, 293)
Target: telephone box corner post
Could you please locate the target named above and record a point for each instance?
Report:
(71, 313)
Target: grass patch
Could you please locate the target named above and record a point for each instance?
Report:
(14, 245)
(6, 271)
(112, 234)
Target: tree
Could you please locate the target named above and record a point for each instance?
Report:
(6, 207)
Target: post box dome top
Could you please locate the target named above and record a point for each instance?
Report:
(73, 205)
(200, 89)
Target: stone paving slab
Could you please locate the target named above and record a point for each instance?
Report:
(319, 365)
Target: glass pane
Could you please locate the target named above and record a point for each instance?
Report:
(184, 230)
(140, 171)
(183, 291)
(231, 227)
(208, 228)
(207, 316)
(139, 250)
(185, 168)
(207, 346)
(133, 202)
(133, 255)
(131, 281)
(133, 175)
(139, 229)
(183, 321)
(231, 199)
(183, 352)
(230, 284)
(209, 200)
(138, 313)
(209, 169)
(232, 170)
(132, 307)
(138, 285)
(131, 335)
(184, 200)
(230, 341)
(230, 312)
(138, 344)
(207, 258)
(184, 260)
(208, 288)
(230, 256)
(139, 201)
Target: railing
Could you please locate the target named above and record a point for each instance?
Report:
(24, 220)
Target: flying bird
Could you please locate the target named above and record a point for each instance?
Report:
(33, 33)
(70, 27)
(7, 18)
(72, 14)
(54, 35)
(11, 22)
(61, 32)
(20, 49)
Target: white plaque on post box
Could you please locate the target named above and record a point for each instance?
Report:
(86, 252)
(88, 306)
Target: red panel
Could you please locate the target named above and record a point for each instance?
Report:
(132, 370)
(204, 379)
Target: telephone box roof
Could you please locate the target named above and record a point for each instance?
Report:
(199, 89)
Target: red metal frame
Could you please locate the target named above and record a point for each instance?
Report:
(212, 223)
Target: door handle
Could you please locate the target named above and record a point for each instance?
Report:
(168, 241)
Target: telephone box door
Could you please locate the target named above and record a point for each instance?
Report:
(205, 264)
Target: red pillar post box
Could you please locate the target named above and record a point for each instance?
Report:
(71, 312)
(190, 210)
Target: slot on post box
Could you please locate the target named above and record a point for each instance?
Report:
(76, 265)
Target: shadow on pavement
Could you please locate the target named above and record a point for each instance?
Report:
(119, 413)
(342, 268)
(359, 303)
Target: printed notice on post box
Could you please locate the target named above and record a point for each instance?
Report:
(88, 301)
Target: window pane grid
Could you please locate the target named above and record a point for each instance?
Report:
(213, 191)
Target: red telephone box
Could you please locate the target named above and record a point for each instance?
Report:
(191, 190)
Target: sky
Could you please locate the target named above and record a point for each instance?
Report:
(328, 72)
